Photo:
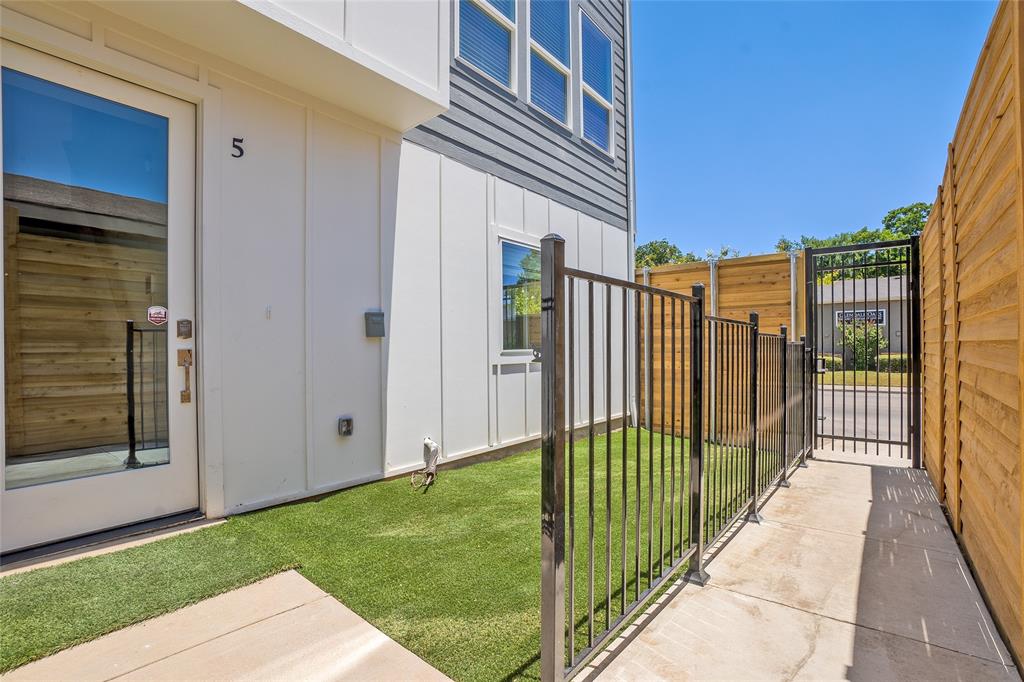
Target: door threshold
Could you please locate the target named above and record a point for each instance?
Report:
(101, 542)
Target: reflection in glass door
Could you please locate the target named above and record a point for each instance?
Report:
(98, 196)
(85, 233)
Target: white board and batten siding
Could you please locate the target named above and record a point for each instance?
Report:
(447, 375)
(327, 215)
(301, 266)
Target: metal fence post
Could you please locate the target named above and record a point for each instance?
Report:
(810, 310)
(755, 465)
(915, 431)
(784, 361)
(805, 429)
(552, 504)
(696, 573)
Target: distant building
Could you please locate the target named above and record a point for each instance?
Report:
(879, 300)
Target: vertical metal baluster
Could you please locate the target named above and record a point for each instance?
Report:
(672, 443)
(153, 382)
(683, 430)
(661, 480)
(650, 445)
(716, 498)
(836, 329)
(638, 300)
(784, 393)
(856, 333)
(903, 338)
(591, 492)
(737, 403)
(129, 368)
(571, 411)
(752, 417)
(888, 343)
(743, 418)
(696, 573)
(625, 435)
(727, 438)
(804, 398)
(142, 385)
(552, 517)
(715, 448)
(608, 456)
(878, 363)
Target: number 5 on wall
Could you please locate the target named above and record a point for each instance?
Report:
(236, 146)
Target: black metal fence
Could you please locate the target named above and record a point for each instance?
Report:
(145, 389)
(622, 514)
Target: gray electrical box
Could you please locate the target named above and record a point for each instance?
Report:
(374, 322)
(346, 425)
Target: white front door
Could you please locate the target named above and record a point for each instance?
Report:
(99, 302)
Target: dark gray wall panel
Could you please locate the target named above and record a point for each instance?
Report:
(497, 132)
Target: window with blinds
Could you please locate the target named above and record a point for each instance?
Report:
(596, 81)
(550, 61)
(486, 37)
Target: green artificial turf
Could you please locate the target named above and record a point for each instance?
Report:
(452, 572)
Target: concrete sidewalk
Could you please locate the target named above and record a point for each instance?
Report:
(855, 575)
(281, 628)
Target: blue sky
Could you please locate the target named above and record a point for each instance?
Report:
(758, 119)
(74, 138)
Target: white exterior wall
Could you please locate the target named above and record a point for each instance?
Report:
(326, 216)
(447, 377)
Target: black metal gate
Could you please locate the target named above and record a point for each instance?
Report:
(863, 319)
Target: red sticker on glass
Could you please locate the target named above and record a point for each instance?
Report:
(157, 314)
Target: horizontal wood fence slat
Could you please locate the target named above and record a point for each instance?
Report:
(736, 287)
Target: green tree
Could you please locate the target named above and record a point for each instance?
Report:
(862, 341)
(722, 253)
(661, 252)
(907, 221)
(899, 223)
(664, 252)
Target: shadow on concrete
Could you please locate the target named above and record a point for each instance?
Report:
(914, 583)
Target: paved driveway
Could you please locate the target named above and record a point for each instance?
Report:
(861, 413)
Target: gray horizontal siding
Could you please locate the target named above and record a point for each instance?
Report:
(495, 131)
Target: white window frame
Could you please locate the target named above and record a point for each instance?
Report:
(559, 66)
(512, 27)
(508, 237)
(584, 88)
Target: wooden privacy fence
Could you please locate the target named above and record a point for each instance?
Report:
(972, 252)
(771, 285)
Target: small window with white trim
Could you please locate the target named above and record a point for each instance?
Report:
(520, 297)
(487, 31)
(596, 82)
(550, 71)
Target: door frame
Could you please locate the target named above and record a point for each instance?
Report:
(149, 492)
(30, 33)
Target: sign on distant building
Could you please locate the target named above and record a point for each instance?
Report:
(875, 316)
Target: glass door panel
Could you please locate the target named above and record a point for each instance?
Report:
(85, 304)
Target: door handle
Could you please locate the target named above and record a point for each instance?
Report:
(185, 360)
